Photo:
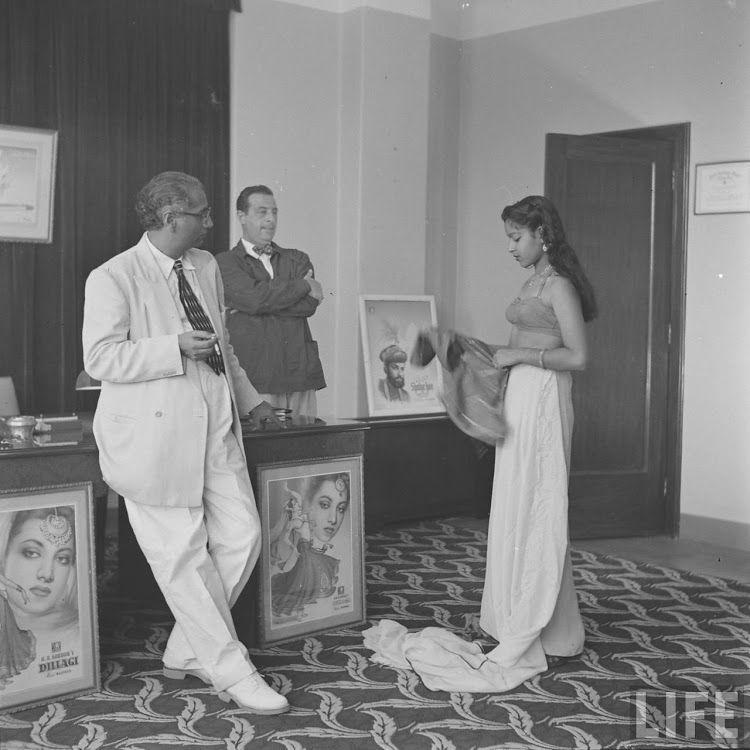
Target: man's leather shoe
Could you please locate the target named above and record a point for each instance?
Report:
(181, 674)
(253, 694)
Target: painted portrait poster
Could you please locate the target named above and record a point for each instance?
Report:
(47, 649)
(312, 562)
(390, 326)
(18, 198)
(27, 181)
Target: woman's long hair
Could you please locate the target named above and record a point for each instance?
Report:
(535, 211)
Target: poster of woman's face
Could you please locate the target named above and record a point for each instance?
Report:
(48, 644)
(40, 559)
(312, 562)
(390, 325)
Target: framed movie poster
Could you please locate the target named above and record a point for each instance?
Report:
(48, 616)
(27, 183)
(312, 559)
(390, 325)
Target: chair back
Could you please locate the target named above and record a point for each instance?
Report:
(8, 400)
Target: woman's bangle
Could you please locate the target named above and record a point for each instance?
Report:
(541, 359)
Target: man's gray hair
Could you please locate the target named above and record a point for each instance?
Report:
(165, 190)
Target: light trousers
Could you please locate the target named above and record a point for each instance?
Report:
(202, 557)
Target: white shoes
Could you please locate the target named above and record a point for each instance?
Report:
(253, 694)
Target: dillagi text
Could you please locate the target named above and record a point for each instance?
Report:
(58, 661)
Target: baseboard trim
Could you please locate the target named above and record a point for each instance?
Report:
(733, 534)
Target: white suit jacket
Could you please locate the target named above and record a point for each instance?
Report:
(151, 419)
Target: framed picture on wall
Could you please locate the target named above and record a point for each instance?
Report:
(389, 325)
(27, 183)
(312, 559)
(48, 598)
(722, 187)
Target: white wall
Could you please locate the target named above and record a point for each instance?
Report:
(331, 111)
(657, 63)
(368, 128)
(284, 125)
(442, 177)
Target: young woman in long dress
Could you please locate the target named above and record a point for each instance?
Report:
(529, 602)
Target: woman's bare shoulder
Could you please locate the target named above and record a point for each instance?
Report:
(560, 286)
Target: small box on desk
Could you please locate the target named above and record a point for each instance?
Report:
(64, 429)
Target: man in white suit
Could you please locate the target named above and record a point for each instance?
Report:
(168, 429)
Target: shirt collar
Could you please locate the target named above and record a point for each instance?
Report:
(250, 249)
(165, 263)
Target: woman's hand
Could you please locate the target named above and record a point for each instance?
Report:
(505, 357)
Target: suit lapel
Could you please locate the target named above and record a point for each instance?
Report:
(153, 275)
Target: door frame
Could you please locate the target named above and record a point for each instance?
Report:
(678, 135)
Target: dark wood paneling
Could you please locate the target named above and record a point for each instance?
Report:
(677, 136)
(261, 447)
(618, 364)
(132, 87)
(615, 199)
(420, 467)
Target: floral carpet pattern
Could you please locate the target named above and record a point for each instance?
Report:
(666, 664)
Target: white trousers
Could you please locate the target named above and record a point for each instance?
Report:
(202, 557)
(302, 403)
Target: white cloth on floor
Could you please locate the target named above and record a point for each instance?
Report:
(529, 603)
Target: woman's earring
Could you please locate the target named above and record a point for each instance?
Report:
(544, 247)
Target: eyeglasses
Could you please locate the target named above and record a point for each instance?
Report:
(204, 214)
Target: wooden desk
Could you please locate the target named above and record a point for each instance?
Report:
(423, 467)
(414, 467)
(312, 442)
(292, 443)
(24, 468)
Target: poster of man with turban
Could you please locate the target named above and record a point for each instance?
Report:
(390, 325)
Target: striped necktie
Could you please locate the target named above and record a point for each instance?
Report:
(197, 315)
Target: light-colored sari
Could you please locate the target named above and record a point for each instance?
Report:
(529, 603)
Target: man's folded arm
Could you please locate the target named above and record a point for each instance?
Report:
(302, 309)
(249, 295)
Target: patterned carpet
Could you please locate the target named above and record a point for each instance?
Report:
(659, 639)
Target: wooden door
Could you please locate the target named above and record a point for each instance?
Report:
(615, 199)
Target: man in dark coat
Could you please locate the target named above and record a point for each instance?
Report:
(270, 293)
